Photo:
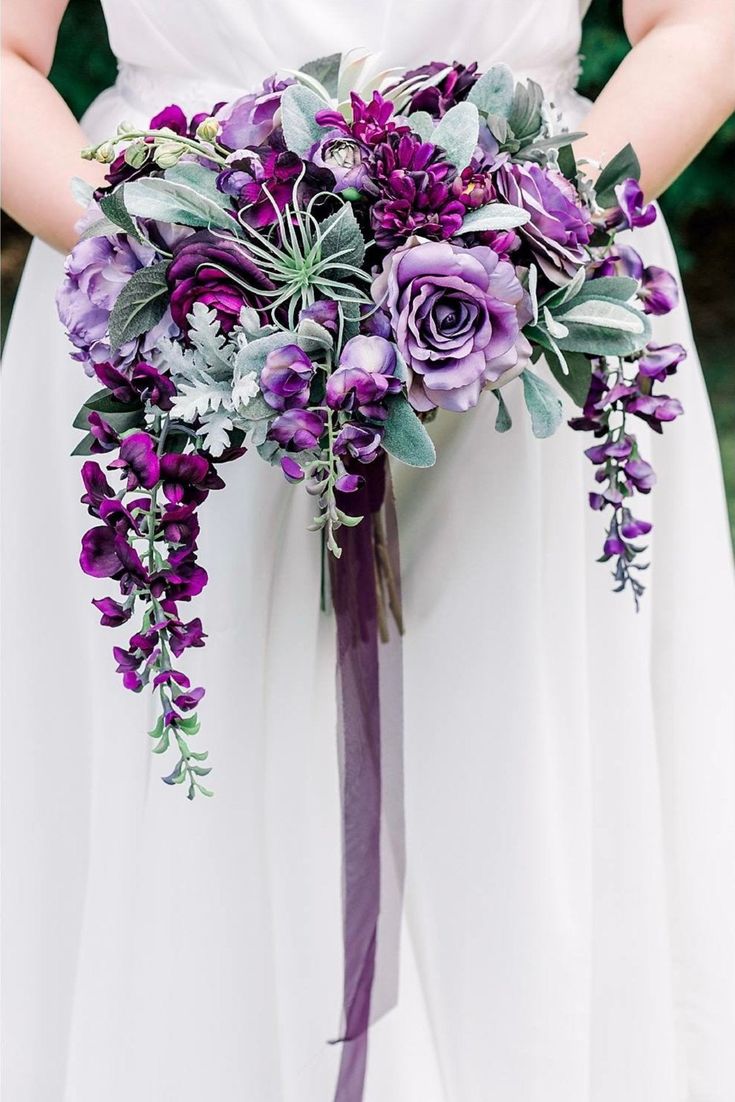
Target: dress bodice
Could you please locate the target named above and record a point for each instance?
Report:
(227, 46)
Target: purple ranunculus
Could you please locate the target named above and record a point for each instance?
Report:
(660, 360)
(344, 157)
(412, 180)
(362, 442)
(298, 429)
(212, 269)
(250, 120)
(365, 375)
(138, 460)
(95, 272)
(456, 315)
(559, 228)
(286, 378)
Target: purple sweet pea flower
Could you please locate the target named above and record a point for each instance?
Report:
(138, 460)
(660, 360)
(105, 437)
(298, 429)
(659, 291)
(291, 470)
(286, 378)
(113, 613)
(183, 636)
(152, 386)
(250, 120)
(365, 375)
(455, 318)
(185, 581)
(359, 441)
(183, 477)
(324, 312)
(641, 474)
(631, 528)
(186, 702)
(655, 408)
(211, 269)
(349, 483)
(631, 209)
(559, 228)
(97, 487)
(106, 554)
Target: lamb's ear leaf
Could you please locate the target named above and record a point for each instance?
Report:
(423, 124)
(405, 437)
(458, 132)
(543, 403)
(493, 92)
(493, 216)
(503, 421)
(299, 106)
(140, 305)
(577, 381)
(326, 71)
(113, 207)
(622, 166)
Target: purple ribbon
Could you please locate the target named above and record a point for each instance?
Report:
(369, 554)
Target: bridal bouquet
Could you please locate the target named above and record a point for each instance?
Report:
(310, 273)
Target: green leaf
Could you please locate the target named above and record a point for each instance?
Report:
(577, 382)
(525, 117)
(493, 216)
(103, 227)
(121, 415)
(81, 190)
(503, 421)
(113, 207)
(423, 124)
(299, 105)
(140, 305)
(84, 447)
(167, 200)
(543, 403)
(405, 437)
(202, 180)
(458, 132)
(622, 166)
(341, 234)
(493, 92)
(603, 327)
(568, 163)
(326, 71)
(615, 288)
(103, 401)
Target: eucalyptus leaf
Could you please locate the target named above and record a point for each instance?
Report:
(492, 94)
(493, 216)
(458, 133)
(170, 201)
(503, 421)
(299, 105)
(622, 166)
(140, 305)
(576, 381)
(543, 403)
(405, 437)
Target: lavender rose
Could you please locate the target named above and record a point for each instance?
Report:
(212, 270)
(456, 315)
(559, 227)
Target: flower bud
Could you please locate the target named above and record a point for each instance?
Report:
(136, 155)
(89, 153)
(167, 154)
(208, 129)
(127, 127)
(105, 153)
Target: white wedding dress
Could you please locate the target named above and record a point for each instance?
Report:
(569, 931)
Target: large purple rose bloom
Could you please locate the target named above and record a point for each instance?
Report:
(218, 272)
(251, 120)
(456, 315)
(559, 227)
(95, 273)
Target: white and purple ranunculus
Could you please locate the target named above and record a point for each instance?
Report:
(364, 377)
(344, 157)
(559, 228)
(286, 378)
(250, 120)
(95, 273)
(456, 315)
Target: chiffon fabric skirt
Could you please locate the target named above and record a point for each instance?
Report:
(569, 930)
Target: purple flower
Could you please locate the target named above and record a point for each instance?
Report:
(106, 554)
(183, 636)
(298, 429)
(455, 318)
(262, 183)
(211, 269)
(97, 487)
(183, 477)
(291, 469)
(474, 186)
(286, 378)
(105, 437)
(324, 312)
(152, 386)
(138, 460)
(250, 120)
(365, 375)
(641, 474)
(113, 613)
(372, 122)
(559, 228)
(659, 291)
(631, 212)
(187, 580)
(362, 442)
(344, 157)
(413, 184)
(631, 528)
(95, 272)
(186, 702)
(655, 408)
(660, 360)
(437, 98)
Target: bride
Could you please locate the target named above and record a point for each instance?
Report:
(569, 931)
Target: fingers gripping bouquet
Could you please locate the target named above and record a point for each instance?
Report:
(309, 273)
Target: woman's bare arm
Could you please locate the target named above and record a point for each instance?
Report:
(41, 138)
(672, 91)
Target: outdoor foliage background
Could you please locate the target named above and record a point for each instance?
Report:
(699, 207)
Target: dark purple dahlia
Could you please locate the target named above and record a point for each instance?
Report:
(413, 185)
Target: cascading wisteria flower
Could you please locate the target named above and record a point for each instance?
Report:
(310, 273)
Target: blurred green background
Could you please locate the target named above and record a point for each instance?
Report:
(700, 206)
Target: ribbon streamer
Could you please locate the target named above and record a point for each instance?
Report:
(365, 581)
